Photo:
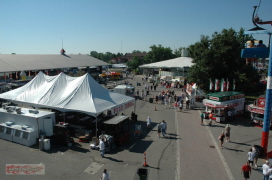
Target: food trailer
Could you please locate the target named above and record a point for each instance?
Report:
(118, 127)
(218, 104)
(257, 111)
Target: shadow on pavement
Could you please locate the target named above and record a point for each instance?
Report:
(240, 143)
(75, 147)
(140, 146)
(113, 159)
(237, 150)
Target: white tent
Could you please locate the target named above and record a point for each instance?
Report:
(171, 63)
(65, 93)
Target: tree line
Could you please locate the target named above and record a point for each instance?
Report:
(215, 57)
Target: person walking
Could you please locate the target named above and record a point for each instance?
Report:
(102, 148)
(148, 122)
(159, 128)
(163, 128)
(142, 94)
(202, 117)
(105, 175)
(176, 106)
(221, 138)
(210, 119)
(156, 99)
(165, 102)
(266, 170)
(169, 101)
(227, 132)
(250, 155)
(256, 153)
(246, 171)
(180, 106)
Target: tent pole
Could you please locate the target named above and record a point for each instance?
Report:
(64, 117)
(135, 106)
(96, 126)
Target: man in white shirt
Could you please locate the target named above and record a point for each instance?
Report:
(148, 122)
(102, 148)
(265, 170)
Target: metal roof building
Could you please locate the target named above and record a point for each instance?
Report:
(20, 62)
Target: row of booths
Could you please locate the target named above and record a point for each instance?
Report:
(257, 109)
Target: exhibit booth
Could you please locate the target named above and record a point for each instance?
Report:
(220, 103)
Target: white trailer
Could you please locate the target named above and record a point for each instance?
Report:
(124, 89)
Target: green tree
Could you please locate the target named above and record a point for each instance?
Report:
(158, 53)
(136, 51)
(135, 63)
(220, 57)
(177, 52)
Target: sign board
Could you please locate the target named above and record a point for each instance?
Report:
(261, 102)
(122, 107)
(256, 110)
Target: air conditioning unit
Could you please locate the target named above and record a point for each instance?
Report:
(10, 108)
(4, 105)
(9, 123)
(24, 127)
(18, 110)
(33, 111)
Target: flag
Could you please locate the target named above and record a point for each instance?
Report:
(211, 84)
(228, 84)
(222, 84)
(233, 84)
(216, 84)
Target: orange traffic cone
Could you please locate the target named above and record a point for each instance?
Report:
(155, 108)
(145, 164)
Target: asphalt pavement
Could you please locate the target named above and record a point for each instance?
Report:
(189, 150)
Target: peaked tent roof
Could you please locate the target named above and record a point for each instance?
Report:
(66, 93)
(171, 63)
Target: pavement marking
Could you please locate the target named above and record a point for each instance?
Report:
(218, 150)
(178, 151)
(93, 168)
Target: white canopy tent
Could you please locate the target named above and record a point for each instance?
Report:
(171, 63)
(65, 93)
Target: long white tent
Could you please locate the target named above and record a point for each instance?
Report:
(171, 63)
(65, 93)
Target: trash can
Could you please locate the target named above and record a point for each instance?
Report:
(46, 144)
(151, 100)
(142, 173)
(41, 147)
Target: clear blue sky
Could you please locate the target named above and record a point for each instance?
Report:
(38, 26)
